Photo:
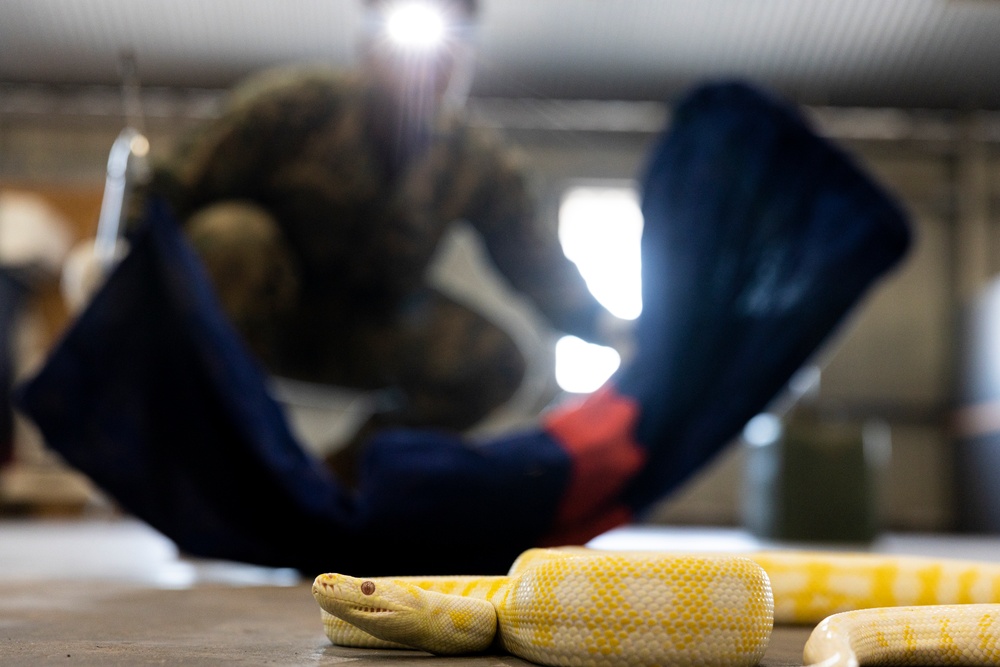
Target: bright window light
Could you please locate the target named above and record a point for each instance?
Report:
(762, 430)
(582, 367)
(415, 25)
(600, 228)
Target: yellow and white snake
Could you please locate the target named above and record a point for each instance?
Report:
(577, 607)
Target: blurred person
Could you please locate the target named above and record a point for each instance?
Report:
(317, 201)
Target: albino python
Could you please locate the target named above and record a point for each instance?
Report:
(578, 607)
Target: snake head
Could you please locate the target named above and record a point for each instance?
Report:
(397, 611)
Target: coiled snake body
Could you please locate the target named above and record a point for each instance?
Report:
(581, 607)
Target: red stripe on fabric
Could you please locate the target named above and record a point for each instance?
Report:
(597, 433)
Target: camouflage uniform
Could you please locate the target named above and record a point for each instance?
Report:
(317, 229)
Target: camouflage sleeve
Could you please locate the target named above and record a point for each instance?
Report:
(525, 249)
(265, 122)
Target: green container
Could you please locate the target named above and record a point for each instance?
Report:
(814, 478)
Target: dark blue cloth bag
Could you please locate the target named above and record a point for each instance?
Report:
(759, 238)
(13, 293)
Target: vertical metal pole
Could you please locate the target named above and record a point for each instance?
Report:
(127, 166)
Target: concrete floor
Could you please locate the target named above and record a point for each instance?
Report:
(117, 593)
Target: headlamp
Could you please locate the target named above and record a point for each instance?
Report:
(418, 25)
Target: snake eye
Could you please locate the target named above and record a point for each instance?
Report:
(368, 587)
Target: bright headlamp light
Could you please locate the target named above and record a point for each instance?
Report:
(418, 25)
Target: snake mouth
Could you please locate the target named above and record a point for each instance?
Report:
(370, 611)
(339, 596)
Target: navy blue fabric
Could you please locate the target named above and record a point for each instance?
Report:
(153, 395)
(12, 293)
(760, 236)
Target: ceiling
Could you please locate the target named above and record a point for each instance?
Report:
(895, 53)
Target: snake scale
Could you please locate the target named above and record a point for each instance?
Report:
(577, 607)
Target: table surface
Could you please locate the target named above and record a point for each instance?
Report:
(117, 593)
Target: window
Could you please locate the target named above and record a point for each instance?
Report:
(599, 228)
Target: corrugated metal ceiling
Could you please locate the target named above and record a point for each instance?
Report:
(902, 53)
